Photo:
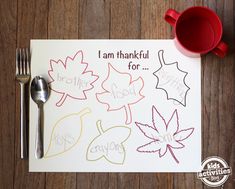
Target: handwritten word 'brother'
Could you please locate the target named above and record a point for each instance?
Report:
(74, 81)
(125, 55)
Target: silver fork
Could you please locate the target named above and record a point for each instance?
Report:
(23, 76)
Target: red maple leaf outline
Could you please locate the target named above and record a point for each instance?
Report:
(128, 104)
(65, 64)
(168, 146)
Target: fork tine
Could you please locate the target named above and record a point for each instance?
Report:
(23, 61)
(28, 60)
(20, 62)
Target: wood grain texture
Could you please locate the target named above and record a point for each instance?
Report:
(63, 19)
(125, 19)
(62, 24)
(218, 94)
(152, 27)
(94, 19)
(125, 23)
(179, 179)
(8, 25)
(21, 20)
(31, 23)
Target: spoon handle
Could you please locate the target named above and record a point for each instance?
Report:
(39, 134)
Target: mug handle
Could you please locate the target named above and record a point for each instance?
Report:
(171, 16)
(221, 49)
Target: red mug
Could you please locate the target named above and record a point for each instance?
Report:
(197, 30)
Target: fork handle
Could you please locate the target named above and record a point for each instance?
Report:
(23, 137)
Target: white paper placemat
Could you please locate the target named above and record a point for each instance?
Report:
(117, 106)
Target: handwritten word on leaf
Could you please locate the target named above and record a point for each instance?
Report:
(66, 133)
(164, 136)
(172, 80)
(71, 78)
(109, 144)
(120, 91)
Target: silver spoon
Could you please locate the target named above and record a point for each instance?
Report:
(40, 94)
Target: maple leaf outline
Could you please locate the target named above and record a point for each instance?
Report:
(162, 62)
(64, 64)
(154, 132)
(126, 106)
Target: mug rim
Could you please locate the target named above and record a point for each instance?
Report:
(215, 16)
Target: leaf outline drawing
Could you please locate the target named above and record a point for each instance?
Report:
(102, 133)
(64, 66)
(162, 140)
(164, 65)
(80, 114)
(107, 92)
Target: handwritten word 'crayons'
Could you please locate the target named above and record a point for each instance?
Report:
(107, 148)
(108, 144)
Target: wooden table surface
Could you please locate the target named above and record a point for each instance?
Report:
(22, 20)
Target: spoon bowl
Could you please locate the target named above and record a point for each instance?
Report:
(40, 94)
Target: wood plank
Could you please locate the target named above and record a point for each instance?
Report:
(125, 19)
(83, 180)
(153, 26)
(94, 18)
(125, 24)
(113, 180)
(8, 25)
(218, 91)
(128, 180)
(63, 19)
(60, 180)
(62, 24)
(156, 180)
(32, 23)
(186, 180)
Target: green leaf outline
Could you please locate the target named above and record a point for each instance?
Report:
(102, 131)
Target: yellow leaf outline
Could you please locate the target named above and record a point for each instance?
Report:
(82, 113)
